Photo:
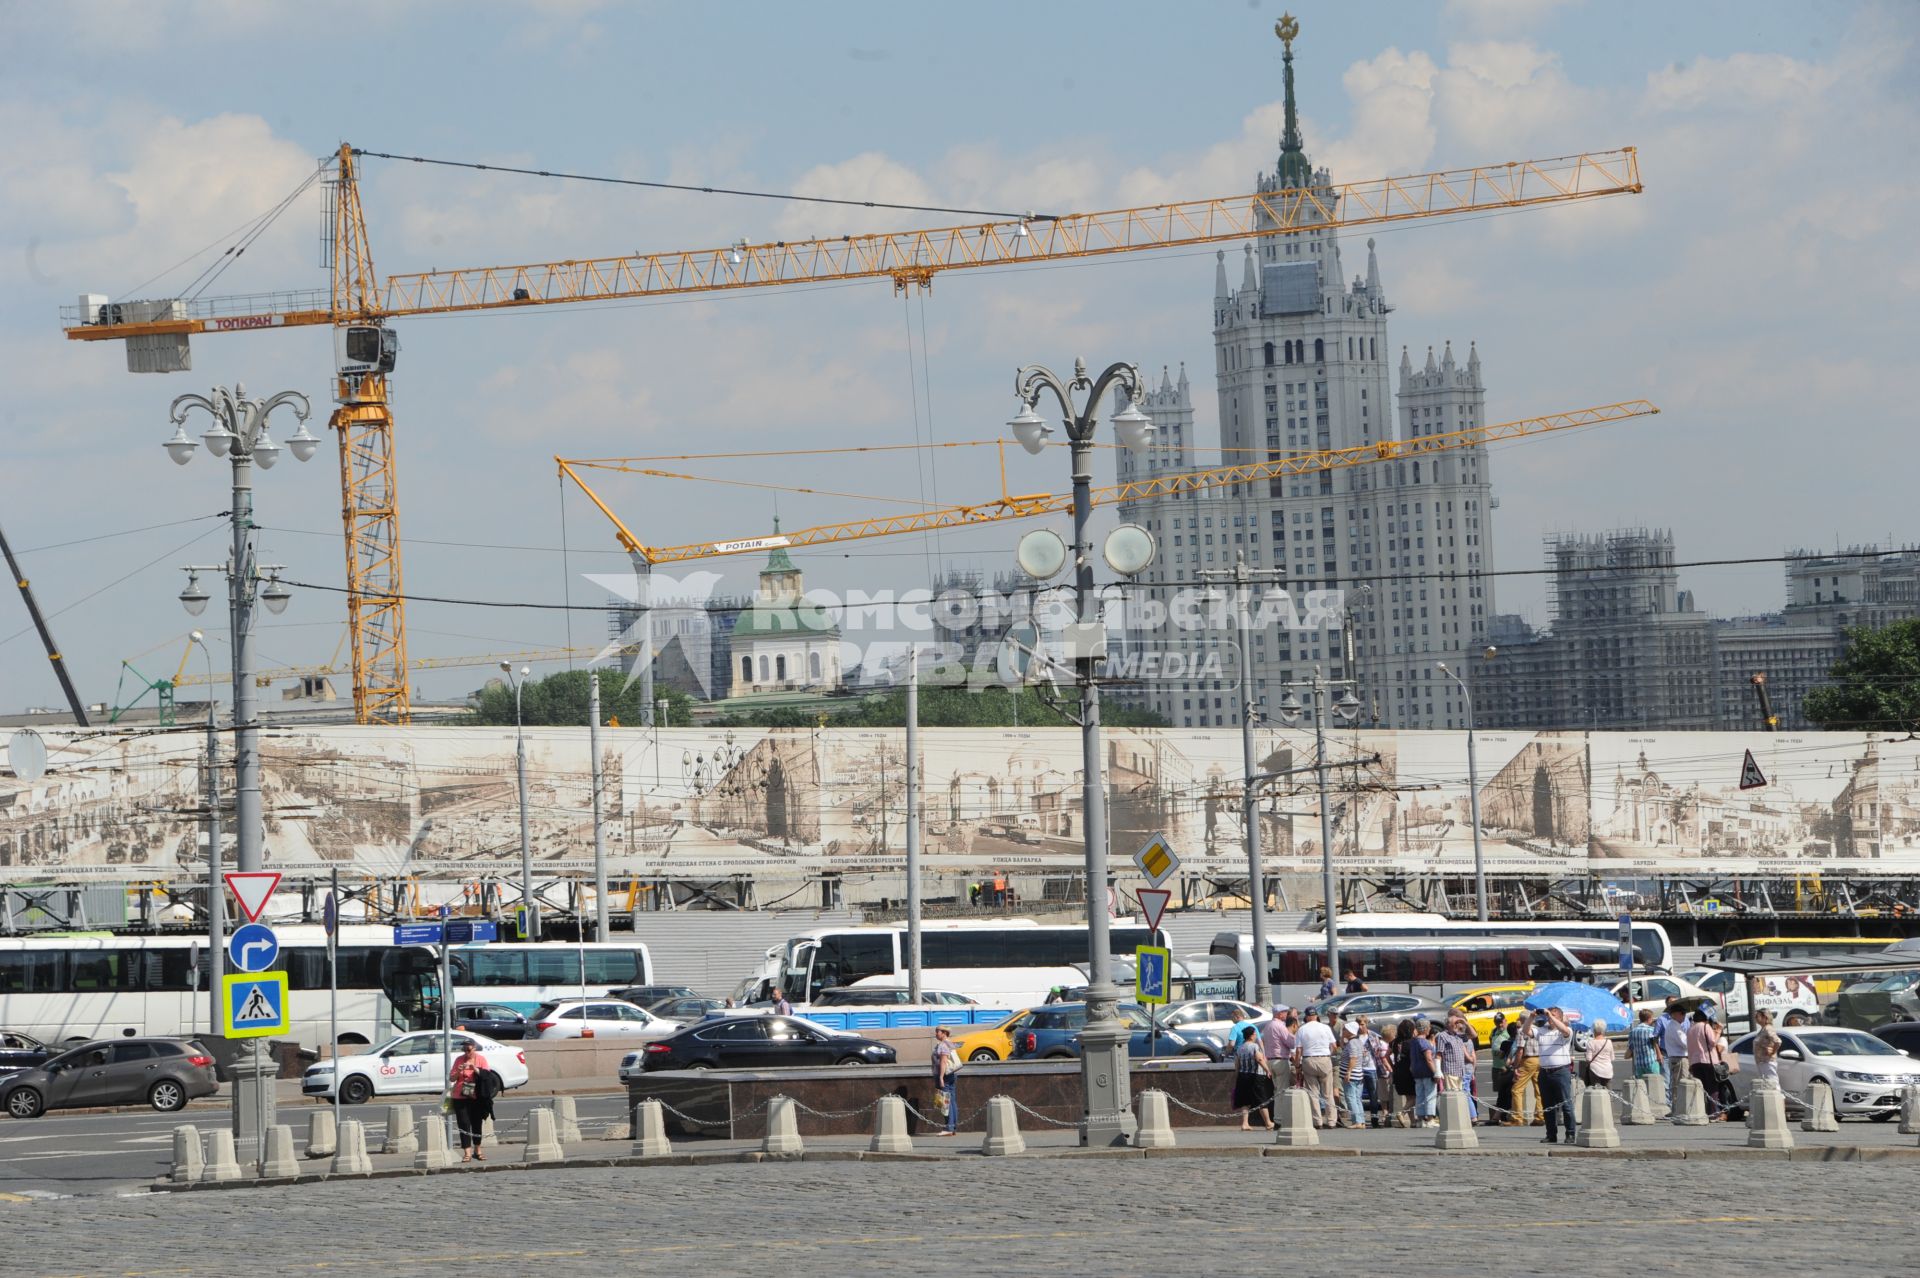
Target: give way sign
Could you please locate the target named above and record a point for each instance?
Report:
(252, 889)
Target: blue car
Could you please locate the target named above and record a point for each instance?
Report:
(1053, 1033)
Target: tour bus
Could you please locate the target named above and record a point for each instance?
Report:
(1000, 964)
(1649, 939)
(73, 988)
(1793, 947)
(1431, 966)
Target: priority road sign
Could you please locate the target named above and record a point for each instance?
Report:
(1751, 778)
(252, 889)
(1157, 860)
(255, 1003)
(1151, 966)
(253, 947)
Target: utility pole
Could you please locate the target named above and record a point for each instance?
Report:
(599, 829)
(913, 824)
(1347, 707)
(1242, 576)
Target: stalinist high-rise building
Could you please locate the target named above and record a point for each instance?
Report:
(1302, 364)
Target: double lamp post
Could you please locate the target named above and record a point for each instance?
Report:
(238, 434)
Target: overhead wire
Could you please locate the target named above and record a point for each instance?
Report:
(703, 189)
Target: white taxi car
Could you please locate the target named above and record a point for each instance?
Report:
(410, 1063)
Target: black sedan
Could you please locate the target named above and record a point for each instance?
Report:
(19, 1050)
(490, 1020)
(165, 1073)
(759, 1042)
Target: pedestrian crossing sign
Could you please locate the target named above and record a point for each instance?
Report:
(1151, 969)
(255, 1003)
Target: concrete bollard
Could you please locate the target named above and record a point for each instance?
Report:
(434, 1152)
(1156, 1122)
(320, 1133)
(1689, 1102)
(1295, 1128)
(1456, 1122)
(1767, 1118)
(543, 1144)
(1597, 1130)
(1820, 1116)
(280, 1164)
(221, 1163)
(566, 1121)
(890, 1128)
(1003, 1129)
(188, 1165)
(350, 1150)
(650, 1130)
(783, 1130)
(1643, 1106)
(400, 1137)
(1910, 1111)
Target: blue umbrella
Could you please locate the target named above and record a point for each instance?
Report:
(1584, 1005)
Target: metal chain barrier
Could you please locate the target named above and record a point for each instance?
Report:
(835, 1113)
(1034, 1113)
(1238, 1115)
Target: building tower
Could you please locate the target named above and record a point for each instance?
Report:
(1300, 364)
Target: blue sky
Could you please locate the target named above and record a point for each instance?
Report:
(1760, 291)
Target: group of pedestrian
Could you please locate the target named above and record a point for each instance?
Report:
(1678, 1043)
(1353, 1075)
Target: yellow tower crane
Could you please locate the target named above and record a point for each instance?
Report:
(358, 305)
(1029, 505)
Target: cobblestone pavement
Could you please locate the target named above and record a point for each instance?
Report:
(1064, 1215)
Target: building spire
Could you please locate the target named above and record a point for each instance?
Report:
(1374, 291)
(1220, 275)
(1294, 171)
(1249, 280)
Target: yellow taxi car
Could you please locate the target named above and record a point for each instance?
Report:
(995, 1042)
(1480, 1005)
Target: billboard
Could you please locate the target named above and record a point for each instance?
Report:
(711, 803)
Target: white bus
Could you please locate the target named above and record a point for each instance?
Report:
(1650, 941)
(78, 987)
(1432, 966)
(999, 964)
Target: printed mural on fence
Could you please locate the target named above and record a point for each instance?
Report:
(696, 802)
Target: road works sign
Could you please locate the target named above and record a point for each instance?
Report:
(1157, 860)
(255, 1003)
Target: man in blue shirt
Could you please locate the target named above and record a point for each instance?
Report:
(1643, 1042)
(1420, 1055)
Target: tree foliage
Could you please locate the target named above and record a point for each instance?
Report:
(1876, 684)
(561, 699)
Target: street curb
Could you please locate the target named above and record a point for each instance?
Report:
(706, 1158)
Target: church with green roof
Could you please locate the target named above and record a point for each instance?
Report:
(782, 643)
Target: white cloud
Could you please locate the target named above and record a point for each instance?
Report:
(1502, 16)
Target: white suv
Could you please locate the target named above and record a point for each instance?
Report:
(596, 1018)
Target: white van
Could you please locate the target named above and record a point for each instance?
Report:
(1779, 994)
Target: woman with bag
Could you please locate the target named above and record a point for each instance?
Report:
(1252, 1080)
(470, 1093)
(946, 1063)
